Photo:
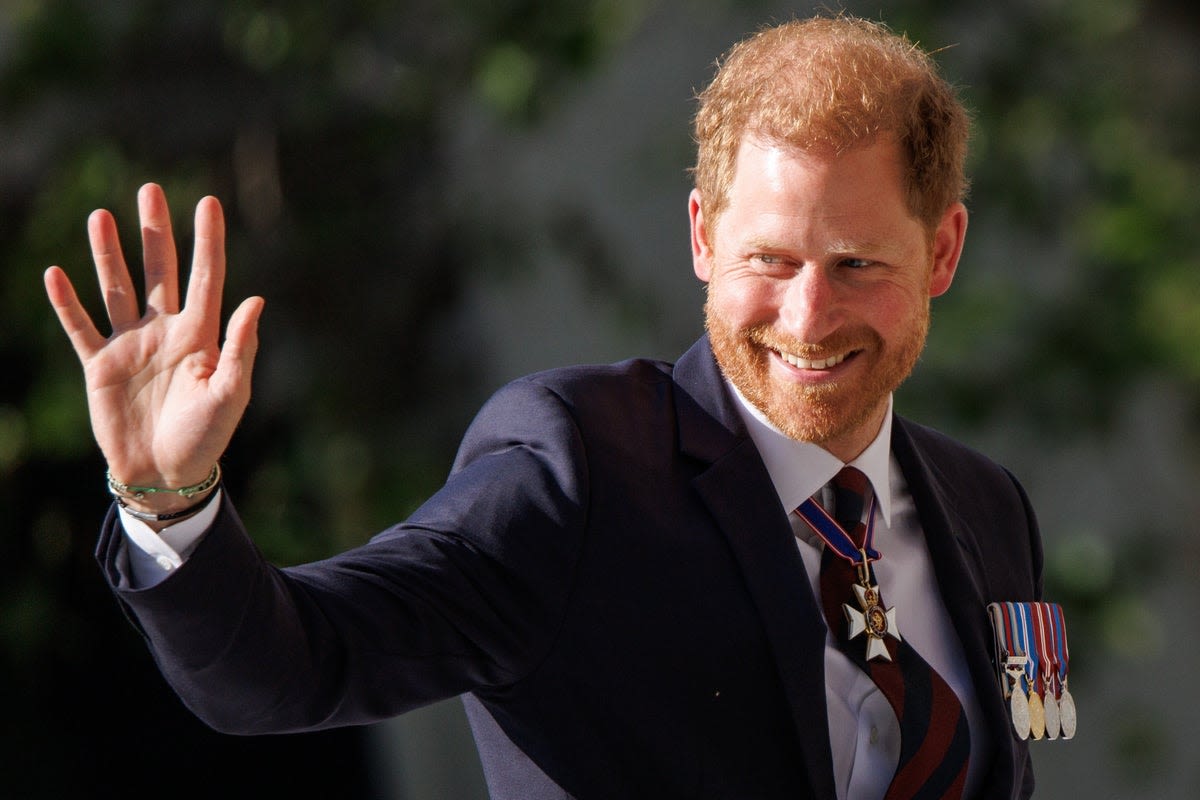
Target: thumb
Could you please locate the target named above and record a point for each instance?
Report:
(236, 364)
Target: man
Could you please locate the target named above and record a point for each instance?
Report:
(621, 575)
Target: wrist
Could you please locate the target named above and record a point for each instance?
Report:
(163, 502)
(158, 519)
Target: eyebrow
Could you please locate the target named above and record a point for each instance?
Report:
(865, 246)
(836, 247)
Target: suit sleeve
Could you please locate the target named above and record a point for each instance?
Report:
(467, 593)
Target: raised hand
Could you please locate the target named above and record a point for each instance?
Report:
(164, 395)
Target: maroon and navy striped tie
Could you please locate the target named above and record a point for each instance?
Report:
(934, 739)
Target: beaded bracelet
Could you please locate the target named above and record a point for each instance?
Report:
(124, 490)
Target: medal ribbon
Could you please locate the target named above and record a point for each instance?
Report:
(836, 537)
(1012, 644)
(996, 612)
(1063, 659)
(1025, 636)
(997, 617)
(1046, 645)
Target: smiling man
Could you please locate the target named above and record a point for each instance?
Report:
(819, 284)
(738, 575)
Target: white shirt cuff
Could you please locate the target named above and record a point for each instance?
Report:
(154, 556)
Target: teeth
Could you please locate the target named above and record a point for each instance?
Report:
(820, 363)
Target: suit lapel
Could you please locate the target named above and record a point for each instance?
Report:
(741, 498)
(962, 582)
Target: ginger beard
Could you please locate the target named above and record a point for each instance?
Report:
(832, 409)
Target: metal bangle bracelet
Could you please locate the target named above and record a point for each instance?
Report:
(146, 516)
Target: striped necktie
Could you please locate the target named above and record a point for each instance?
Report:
(935, 740)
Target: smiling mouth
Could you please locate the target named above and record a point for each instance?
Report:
(813, 363)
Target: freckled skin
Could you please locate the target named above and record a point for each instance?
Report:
(817, 255)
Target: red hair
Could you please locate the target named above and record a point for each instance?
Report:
(833, 83)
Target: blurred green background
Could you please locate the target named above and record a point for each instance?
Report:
(437, 196)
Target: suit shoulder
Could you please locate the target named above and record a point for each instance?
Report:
(592, 398)
(588, 378)
(606, 408)
(983, 502)
(960, 470)
(631, 387)
(948, 454)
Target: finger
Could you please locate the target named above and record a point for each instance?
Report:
(158, 251)
(120, 298)
(71, 315)
(236, 364)
(207, 277)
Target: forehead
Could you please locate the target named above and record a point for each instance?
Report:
(857, 195)
(875, 163)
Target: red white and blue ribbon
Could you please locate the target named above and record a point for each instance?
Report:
(1047, 656)
(1011, 661)
(1050, 645)
(1020, 613)
(838, 539)
(1062, 653)
(1066, 703)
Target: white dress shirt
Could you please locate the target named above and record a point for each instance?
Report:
(863, 729)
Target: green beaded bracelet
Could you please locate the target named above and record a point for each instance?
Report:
(124, 490)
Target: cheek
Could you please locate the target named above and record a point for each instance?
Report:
(894, 307)
(742, 303)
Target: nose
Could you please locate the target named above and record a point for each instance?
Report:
(811, 308)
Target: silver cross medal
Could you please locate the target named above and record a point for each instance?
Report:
(873, 619)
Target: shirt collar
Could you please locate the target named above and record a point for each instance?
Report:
(800, 469)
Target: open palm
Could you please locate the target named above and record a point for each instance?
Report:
(164, 395)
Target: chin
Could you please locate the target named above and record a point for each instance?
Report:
(819, 419)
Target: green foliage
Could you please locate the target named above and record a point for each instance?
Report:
(318, 126)
(1075, 146)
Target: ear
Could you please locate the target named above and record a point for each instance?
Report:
(701, 249)
(947, 248)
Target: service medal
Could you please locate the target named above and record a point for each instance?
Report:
(1053, 724)
(1047, 650)
(1066, 703)
(1037, 714)
(1026, 643)
(1066, 712)
(1019, 707)
(1018, 703)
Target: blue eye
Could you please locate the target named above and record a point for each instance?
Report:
(771, 260)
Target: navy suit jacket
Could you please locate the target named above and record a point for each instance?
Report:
(608, 578)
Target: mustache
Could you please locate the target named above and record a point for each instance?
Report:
(841, 341)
